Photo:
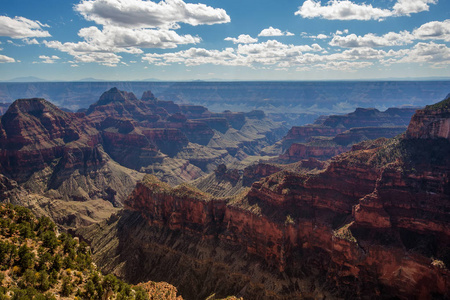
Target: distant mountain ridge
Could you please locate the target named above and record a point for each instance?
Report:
(318, 97)
(26, 79)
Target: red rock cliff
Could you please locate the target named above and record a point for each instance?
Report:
(431, 122)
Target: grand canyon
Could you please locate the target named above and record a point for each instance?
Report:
(224, 150)
(351, 206)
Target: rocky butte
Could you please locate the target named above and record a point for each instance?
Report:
(374, 223)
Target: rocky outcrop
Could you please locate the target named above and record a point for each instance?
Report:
(189, 123)
(333, 135)
(356, 135)
(255, 172)
(299, 134)
(198, 132)
(370, 117)
(431, 122)
(118, 104)
(169, 106)
(194, 111)
(205, 158)
(79, 167)
(34, 132)
(219, 124)
(236, 119)
(148, 97)
(324, 151)
(136, 133)
(252, 137)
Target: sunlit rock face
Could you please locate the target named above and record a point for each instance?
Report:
(432, 122)
(34, 132)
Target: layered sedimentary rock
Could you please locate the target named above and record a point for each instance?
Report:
(304, 133)
(34, 132)
(322, 151)
(257, 171)
(333, 135)
(371, 117)
(374, 224)
(181, 123)
(432, 122)
(54, 162)
(359, 134)
(73, 165)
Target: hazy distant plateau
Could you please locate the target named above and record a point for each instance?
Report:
(318, 97)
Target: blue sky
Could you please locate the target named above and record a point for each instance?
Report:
(224, 39)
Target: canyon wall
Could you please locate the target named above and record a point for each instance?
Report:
(372, 225)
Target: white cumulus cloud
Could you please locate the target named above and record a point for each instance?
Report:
(266, 53)
(87, 53)
(372, 40)
(196, 56)
(406, 7)
(280, 56)
(6, 59)
(116, 38)
(438, 55)
(148, 14)
(349, 66)
(119, 39)
(106, 59)
(340, 32)
(20, 27)
(130, 25)
(341, 10)
(242, 39)
(320, 36)
(30, 42)
(434, 30)
(48, 59)
(348, 10)
(274, 32)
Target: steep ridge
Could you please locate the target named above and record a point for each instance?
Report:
(374, 224)
(53, 162)
(432, 122)
(139, 133)
(34, 132)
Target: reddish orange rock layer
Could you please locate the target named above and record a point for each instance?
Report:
(298, 152)
(34, 132)
(431, 122)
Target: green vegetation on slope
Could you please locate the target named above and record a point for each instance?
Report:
(38, 262)
(410, 154)
(444, 104)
